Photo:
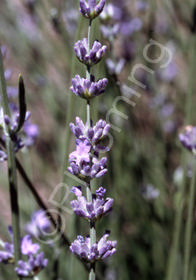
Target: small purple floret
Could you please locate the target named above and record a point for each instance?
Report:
(89, 58)
(84, 164)
(88, 89)
(101, 250)
(93, 134)
(91, 211)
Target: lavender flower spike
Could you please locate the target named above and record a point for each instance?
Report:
(88, 89)
(89, 57)
(90, 9)
(101, 250)
(91, 211)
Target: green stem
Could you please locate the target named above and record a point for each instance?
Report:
(12, 177)
(92, 235)
(172, 265)
(189, 225)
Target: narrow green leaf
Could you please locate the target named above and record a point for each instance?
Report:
(22, 103)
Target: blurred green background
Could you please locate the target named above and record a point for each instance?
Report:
(146, 161)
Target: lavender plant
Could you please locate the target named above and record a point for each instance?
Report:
(85, 161)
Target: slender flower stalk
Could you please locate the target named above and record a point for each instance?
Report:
(12, 177)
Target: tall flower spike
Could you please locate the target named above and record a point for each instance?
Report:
(84, 161)
(90, 8)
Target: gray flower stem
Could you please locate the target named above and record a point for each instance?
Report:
(12, 176)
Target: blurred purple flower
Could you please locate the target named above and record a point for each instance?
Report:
(3, 155)
(128, 28)
(7, 254)
(141, 5)
(115, 68)
(7, 74)
(188, 138)
(88, 89)
(167, 110)
(89, 58)
(94, 210)
(111, 11)
(27, 247)
(36, 261)
(31, 267)
(12, 92)
(110, 31)
(149, 192)
(169, 73)
(39, 224)
(90, 8)
(101, 250)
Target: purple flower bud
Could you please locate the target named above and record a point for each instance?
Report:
(100, 192)
(90, 9)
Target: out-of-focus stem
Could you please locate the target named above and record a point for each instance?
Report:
(12, 177)
(172, 265)
(71, 103)
(189, 225)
